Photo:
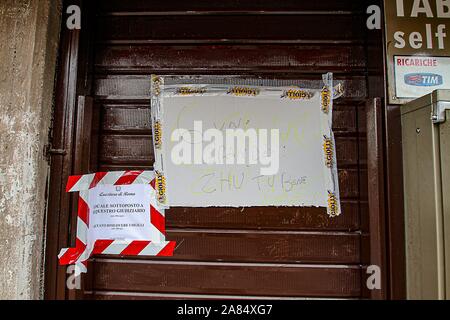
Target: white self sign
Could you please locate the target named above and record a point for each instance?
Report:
(241, 146)
(417, 47)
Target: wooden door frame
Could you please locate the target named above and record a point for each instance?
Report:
(73, 80)
(393, 188)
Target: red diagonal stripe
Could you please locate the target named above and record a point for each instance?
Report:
(97, 178)
(101, 246)
(128, 178)
(72, 254)
(70, 257)
(83, 211)
(168, 250)
(72, 181)
(158, 220)
(135, 248)
(153, 184)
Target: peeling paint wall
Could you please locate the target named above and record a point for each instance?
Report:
(28, 48)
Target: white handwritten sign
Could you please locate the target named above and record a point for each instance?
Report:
(244, 146)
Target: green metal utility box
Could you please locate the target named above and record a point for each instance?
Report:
(426, 166)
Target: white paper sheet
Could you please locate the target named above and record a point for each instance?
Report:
(121, 213)
(306, 175)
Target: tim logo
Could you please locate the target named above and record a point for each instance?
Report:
(423, 79)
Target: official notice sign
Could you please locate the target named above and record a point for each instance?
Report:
(240, 146)
(121, 213)
(118, 214)
(417, 76)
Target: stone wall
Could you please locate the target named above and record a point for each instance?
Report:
(28, 49)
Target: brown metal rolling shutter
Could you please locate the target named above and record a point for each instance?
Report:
(257, 252)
